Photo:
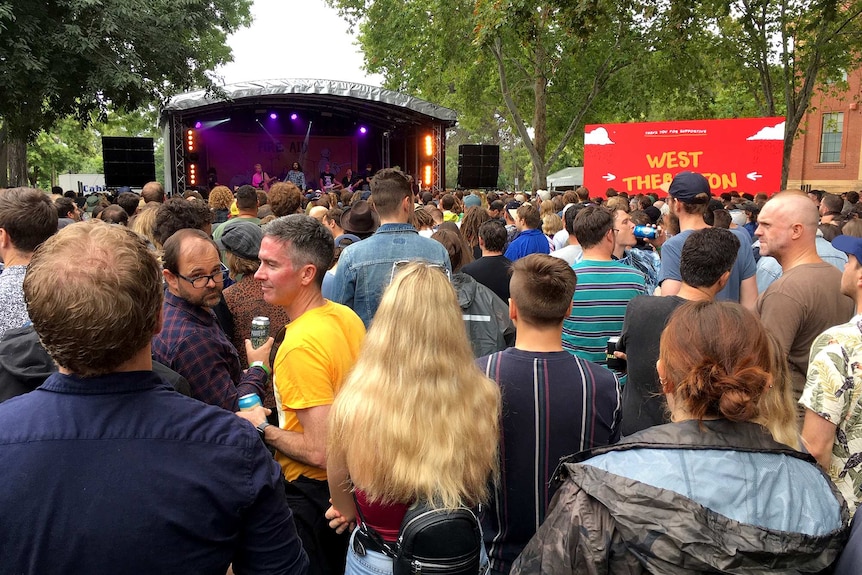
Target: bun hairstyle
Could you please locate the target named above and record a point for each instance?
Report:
(717, 359)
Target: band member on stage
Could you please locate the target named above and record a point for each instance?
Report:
(297, 176)
(261, 179)
(348, 180)
(327, 180)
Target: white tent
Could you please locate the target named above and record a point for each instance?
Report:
(565, 179)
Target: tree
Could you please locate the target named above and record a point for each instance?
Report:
(541, 65)
(71, 147)
(794, 46)
(75, 57)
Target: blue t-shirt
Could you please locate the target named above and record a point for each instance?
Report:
(743, 268)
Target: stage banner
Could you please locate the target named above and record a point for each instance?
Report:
(739, 154)
(233, 155)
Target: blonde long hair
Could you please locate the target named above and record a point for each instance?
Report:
(415, 418)
(777, 408)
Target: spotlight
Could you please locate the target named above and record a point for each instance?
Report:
(198, 125)
(363, 129)
(273, 116)
(293, 116)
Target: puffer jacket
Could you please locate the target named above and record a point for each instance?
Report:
(485, 315)
(681, 498)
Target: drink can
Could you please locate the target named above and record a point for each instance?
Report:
(249, 401)
(259, 331)
(646, 232)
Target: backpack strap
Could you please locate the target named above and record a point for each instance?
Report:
(372, 538)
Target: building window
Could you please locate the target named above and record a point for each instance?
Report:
(830, 137)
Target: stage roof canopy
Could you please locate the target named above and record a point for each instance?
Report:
(381, 108)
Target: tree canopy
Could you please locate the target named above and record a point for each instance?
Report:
(76, 57)
(547, 67)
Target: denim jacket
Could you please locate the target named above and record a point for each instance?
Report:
(365, 268)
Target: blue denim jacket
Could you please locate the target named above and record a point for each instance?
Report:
(365, 268)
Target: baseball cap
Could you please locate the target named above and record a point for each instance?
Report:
(544, 194)
(242, 239)
(686, 186)
(472, 200)
(850, 245)
(512, 208)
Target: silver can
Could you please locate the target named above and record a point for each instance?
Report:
(259, 331)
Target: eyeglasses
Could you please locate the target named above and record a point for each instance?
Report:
(202, 281)
(400, 265)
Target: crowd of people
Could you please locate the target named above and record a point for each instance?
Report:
(662, 383)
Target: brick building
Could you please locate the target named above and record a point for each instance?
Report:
(827, 154)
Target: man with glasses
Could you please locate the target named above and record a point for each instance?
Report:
(191, 342)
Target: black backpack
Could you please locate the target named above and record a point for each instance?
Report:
(438, 541)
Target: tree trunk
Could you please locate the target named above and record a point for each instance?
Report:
(17, 151)
(4, 160)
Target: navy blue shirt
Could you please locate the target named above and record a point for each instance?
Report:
(121, 474)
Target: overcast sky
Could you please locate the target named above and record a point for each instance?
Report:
(295, 39)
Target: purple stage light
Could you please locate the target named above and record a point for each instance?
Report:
(293, 116)
(363, 129)
(198, 125)
(273, 116)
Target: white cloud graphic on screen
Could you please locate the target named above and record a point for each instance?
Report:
(598, 137)
(770, 133)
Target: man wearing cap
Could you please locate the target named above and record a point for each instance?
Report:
(191, 342)
(471, 200)
(689, 195)
(510, 213)
(571, 251)
(92, 201)
(365, 268)
(806, 299)
(530, 239)
(832, 429)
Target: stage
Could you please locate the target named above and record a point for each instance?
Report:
(314, 122)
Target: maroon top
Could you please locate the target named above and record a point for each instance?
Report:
(383, 518)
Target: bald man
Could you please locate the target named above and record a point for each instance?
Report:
(807, 298)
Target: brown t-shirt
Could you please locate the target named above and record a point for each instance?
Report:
(799, 306)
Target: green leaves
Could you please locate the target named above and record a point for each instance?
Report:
(71, 56)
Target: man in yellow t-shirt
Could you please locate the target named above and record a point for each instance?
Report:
(319, 348)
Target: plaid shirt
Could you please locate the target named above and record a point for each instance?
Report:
(192, 344)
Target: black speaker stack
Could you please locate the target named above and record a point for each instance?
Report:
(478, 166)
(128, 161)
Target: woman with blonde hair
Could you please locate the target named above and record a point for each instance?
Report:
(220, 201)
(710, 492)
(144, 225)
(409, 425)
(776, 405)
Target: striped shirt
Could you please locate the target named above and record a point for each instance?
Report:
(554, 404)
(599, 306)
